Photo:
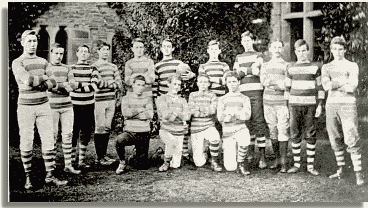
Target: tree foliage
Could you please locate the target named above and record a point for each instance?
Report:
(350, 20)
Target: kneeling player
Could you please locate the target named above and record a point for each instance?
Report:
(232, 111)
(203, 105)
(173, 113)
(137, 110)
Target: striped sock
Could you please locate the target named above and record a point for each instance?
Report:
(49, 158)
(82, 153)
(261, 142)
(252, 140)
(26, 160)
(296, 153)
(242, 153)
(251, 146)
(67, 150)
(311, 151)
(340, 158)
(186, 145)
(214, 149)
(356, 158)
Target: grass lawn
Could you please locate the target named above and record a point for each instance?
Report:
(101, 184)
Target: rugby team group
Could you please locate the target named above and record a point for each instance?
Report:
(233, 109)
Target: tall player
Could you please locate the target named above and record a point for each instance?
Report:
(248, 66)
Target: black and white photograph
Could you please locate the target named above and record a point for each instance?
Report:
(186, 102)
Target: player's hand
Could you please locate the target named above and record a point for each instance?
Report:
(318, 111)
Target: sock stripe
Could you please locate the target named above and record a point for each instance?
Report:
(296, 145)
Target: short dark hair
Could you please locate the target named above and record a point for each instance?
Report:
(169, 40)
(301, 42)
(175, 76)
(232, 74)
(213, 42)
(248, 34)
(83, 46)
(338, 40)
(56, 45)
(139, 77)
(137, 40)
(101, 44)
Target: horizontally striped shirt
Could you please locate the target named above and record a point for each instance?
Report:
(201, 103)
(235, 102)
(250, 84)
(172, 110)
(163, 71)
(273, 78)
(59, 98)
(30, 72)
(87, 78)
(144, 66)
(337, 75)
(135, 121)
(110, 78)
(303, 84)
(215, 70)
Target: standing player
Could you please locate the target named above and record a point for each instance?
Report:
(105, 102)
(232, 111)
(248, 67)
(164, 69)
(275, 107)
(137, 110)
(305, 94)
(61, 104)
(140, 65)
(83, 99)
(340, 79)
(173, 113)
(202, 105)
(33, 107)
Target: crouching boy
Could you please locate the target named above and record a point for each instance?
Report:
(173, 113)
(137, 110)
(232, 111)
(202, 105)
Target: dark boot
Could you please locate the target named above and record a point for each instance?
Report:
(276, 150)
(214, 164)
(98, 139)
(242, 170)
(283, 158)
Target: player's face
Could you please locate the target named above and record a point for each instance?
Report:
(175, 86)
(29, 44)
(57, 55)
(167, 48)
(104, 52)
(138, 49)
(213, 51)
(203, 83)
(302, 53)
(338, 51)
(232, 83)
(247, 43)
(83, 54)
(139, 86)
(276, 49)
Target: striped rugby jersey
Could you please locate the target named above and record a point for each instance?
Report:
(59, 98)
(250, 84)
(200, 104)
(303, 84)
(87, 78)
(29, 73)
(273, 78)
(110, 77)
(163, 71)
(145, 66)
(172, 110)
(334, 77)
(215, 70)
(134, 121)
(234, 102)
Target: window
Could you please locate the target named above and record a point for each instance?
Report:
(296, 29)
(318, 5)
(43, 43)
(62, 39)
(318, 54)
(297, 6)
